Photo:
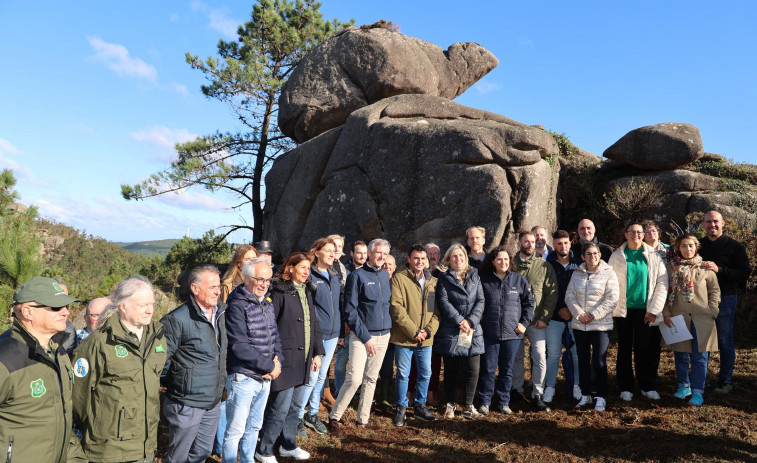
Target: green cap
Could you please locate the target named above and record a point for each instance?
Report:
(45, 291)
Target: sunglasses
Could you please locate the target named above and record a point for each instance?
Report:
(54, 309)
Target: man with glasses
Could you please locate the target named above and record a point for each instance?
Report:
(254, 351)
(35, 377)
(92, 317)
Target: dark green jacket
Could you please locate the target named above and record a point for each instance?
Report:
(116, 387)
(35, 399)
(543, 280)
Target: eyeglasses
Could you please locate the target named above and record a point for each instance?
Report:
(650, 231)
(92, 315)
(635, 232)
(264, 281)
(54, 309)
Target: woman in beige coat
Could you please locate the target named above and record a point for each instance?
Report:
(695, 294)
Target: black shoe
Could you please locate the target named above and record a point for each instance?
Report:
(539, 404)
(399, 418)
(423, 413)
(515, 397)
(301, 429)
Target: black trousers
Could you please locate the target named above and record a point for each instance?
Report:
(638, 349)
(461, 370)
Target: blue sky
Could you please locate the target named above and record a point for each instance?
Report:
(95, 94)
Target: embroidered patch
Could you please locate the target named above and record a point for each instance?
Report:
(57, 286)
(121, 351)
(268, 299)
(160, 348)
(81, 368)
(38, 388)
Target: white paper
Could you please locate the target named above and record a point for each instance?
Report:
(679, 332)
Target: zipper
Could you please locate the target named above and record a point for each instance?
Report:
(381, 297)
(10, 451)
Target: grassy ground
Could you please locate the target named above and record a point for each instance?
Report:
(724, 429)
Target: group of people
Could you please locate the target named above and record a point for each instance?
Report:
(245, 359)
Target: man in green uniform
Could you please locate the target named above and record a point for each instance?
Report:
(36, 378)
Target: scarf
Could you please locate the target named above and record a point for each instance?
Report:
(682, 281)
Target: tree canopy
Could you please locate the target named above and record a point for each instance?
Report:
(247, 75)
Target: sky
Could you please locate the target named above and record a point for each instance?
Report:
(95, 94)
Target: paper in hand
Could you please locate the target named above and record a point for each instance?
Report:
(679, 332)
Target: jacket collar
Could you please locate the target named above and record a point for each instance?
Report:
(287, 286)
(192, 302)
(32, 342)
(406, 270)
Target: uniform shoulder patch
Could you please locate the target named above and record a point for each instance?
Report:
(121, 351)
(38, 388)
(81, 368)
(160, 348)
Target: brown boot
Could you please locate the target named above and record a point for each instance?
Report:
(327, 400)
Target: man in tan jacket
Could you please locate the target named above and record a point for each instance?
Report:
(415, 318)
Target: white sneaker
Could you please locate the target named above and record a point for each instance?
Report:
(585, 400)
(651, 395)
(600, 405)
(297, 453)
(626, 395)
(577, 392)
(262, 459)
(549, 394)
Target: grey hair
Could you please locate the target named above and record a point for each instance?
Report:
(195, 275)
(249, 269)
(379, 242)
(431, 245)
(124, 291)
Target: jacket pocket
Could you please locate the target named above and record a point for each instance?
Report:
(431, 302)
(127, 423)
(371, 291)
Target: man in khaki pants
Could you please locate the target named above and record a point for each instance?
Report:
(366, 307)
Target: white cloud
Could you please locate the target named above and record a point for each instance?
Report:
(486, 87)
(525, 42)
(180, 88)
(118, 59)
(174, 17)
(7, 150)
(186, 199)
(164, 138)
(219, 19)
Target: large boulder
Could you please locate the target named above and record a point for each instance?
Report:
(413, 168)
(669, 145)
(358, 67)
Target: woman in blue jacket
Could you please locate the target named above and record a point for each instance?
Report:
(326, 299)
(508, 310)
(459, 338)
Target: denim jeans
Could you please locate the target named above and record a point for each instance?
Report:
(592, 357)
(281, 419)
(724, 324)
(340, 366)
(497, 354)
(403, 357)
(698, 361)
(314, 386)
(245, 406)
(554, 333)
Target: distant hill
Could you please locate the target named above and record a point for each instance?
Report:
(149, 248)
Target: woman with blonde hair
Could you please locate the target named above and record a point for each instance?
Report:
(694, 294)
(459, 339)
(233, 276)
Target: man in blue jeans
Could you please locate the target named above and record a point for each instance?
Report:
(728, 259)
(252, 361)
(415, 318)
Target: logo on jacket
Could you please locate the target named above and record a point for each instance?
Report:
(38, 388)
(121, 351)
(160, 348)
(81, 368)
(368, 283)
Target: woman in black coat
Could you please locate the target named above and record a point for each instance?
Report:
(302, 347)
(459, 338)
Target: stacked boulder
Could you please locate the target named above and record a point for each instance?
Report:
(386, 153)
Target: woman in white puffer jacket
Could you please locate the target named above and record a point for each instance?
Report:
(591, 297)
